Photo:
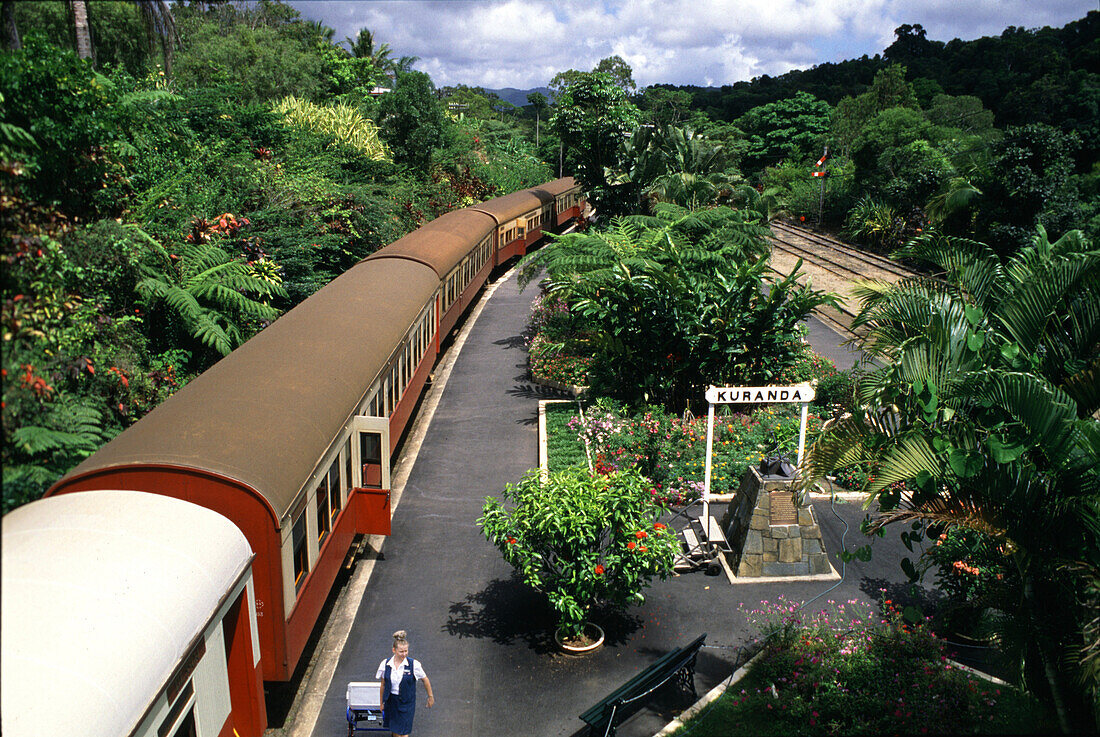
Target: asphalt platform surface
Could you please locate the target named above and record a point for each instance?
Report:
(483, 637)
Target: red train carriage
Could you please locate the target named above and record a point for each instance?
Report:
(288, 437)
(520, 218)
(458, 246)
(568, 199)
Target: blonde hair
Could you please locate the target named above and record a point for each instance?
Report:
(399, 637)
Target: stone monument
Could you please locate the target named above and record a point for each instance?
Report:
(772, 531)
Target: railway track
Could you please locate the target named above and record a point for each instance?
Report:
(833, 266)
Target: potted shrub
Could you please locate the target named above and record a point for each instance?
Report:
(583, 539)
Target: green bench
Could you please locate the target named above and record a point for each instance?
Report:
(612, 710)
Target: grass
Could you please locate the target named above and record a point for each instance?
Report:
(563, 449)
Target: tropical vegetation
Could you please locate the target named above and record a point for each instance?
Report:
(979, 415)
(585, 540)
(848, 670)
(174, 177)
(671, 303)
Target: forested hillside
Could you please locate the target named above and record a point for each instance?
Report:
(177, 176)
(199, 176)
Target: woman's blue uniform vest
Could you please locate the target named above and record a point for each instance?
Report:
(399, 707)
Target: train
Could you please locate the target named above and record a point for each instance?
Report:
(290, 436)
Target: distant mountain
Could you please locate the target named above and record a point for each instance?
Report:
(518, 97)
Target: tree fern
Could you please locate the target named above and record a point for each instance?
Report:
(209, 292)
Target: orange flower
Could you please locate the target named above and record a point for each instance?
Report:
(659, 526)
(640, 534)
(630, 545)
(511, 541)
(599, 569)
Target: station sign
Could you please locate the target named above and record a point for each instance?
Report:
(759, 394)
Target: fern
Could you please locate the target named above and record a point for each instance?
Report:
(209, 292)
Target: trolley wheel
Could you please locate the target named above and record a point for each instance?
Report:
(713, 568)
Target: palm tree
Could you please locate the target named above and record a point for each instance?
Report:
(160, 25)
(671, 164)
(363, 47)
(956, 197)
(11, 30)
(981, 404)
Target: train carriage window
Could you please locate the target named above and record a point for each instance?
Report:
(323, 519)
(333, 489)
(300, 551)
(349, 480)
(403, 359)
(370, 454)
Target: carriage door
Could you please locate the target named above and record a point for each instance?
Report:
(373, 451)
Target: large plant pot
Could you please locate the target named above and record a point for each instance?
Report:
(592, 640)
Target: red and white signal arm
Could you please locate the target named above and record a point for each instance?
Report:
(821, 173)
(759, 394)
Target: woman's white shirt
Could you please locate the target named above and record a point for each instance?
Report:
(395, 677)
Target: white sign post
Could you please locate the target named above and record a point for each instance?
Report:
(802, 393)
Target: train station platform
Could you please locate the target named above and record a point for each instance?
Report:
(483, 637)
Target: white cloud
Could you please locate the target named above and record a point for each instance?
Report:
(523, 43)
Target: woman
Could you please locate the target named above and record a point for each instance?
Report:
(397, 690)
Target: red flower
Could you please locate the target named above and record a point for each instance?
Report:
(511, 541)
(659, 526)
(640, 534)
(599, 569)
(630, 545)
(643, 548)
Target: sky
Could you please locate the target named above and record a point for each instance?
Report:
(524, 43)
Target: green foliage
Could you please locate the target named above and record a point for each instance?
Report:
(582, 539)
(563, 449)
(662, 107)
(268, 45)
(848, 671)
(671, 450)
(982, 403)
(677, 302)
(58, 100)
(619, 71)
(796, 193)
(592, 116)
(412, 120)
(70, 432)
(341, 122)
(875, 225)
(853, 114)
(1028, 183)
(794, 128)
(205, 290)
(970, 569)
(121, 38)
(674, 165)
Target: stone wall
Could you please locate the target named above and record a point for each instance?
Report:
(771, 533)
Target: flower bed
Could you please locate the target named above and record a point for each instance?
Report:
(671, 452)
(851, 671)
